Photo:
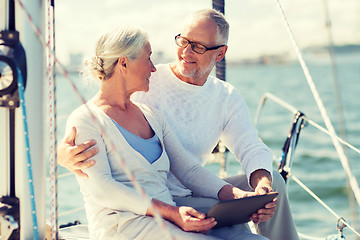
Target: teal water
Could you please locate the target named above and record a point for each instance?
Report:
(315, 163)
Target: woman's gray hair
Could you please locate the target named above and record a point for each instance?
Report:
(125, 41)
(218, 18)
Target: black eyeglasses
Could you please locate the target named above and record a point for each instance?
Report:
(196, 47)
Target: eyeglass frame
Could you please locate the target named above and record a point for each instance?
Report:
(192, 45)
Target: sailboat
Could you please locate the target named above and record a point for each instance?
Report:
(28, 221)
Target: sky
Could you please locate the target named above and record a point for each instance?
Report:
(256, 26)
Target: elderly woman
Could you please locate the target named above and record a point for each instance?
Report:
(137, 135)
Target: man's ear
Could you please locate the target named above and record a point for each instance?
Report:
(221, 54)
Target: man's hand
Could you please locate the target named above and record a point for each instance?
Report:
(266, 213)
(76, 157)
(261, 181)
(229, 192)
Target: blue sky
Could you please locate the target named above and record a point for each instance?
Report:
(256, 26)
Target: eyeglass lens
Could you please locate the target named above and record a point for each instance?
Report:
(196, 47)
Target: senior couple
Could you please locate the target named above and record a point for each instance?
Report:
(162, 123)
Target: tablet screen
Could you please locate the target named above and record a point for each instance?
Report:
(238, 211)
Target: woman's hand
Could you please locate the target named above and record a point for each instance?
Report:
(190, 220)
(187, 218)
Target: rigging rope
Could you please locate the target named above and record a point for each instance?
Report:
(308, 121)
(340, 110)
(294, 110)
(322, 203)
(339, 105)
(127, 171)
(28, 157)
(53, 170)
(344, 161)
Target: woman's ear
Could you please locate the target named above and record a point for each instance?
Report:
(122, 61)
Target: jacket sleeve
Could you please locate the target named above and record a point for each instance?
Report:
(100, 185)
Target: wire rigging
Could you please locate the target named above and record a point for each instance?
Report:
(344, 161)
(323, 203)
(314, 124)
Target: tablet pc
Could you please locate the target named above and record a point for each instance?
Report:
(238, 211)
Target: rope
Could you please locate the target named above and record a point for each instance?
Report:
(67, 174)
(344, 161)
(339, 105)
(64, 175)
(71, 211)
(327, 132)
(323, 203)
(28, 157)
(294, 110)
(335, 74)
(275, 99)
(52, 129)
(127, 171)
(304, 236)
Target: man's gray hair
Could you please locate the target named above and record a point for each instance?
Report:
(218, 18)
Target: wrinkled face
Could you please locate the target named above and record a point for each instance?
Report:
(193, 67)
(140, 69)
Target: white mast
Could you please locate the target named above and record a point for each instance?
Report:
(35, 105)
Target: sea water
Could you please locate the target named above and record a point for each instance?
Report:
(315, 162)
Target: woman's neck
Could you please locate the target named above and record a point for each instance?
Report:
(113, 93)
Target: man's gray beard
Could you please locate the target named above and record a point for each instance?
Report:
(191, 74)
(195, 74)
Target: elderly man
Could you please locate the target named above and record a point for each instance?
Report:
(201, 109)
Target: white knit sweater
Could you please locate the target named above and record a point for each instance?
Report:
(201, 115)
